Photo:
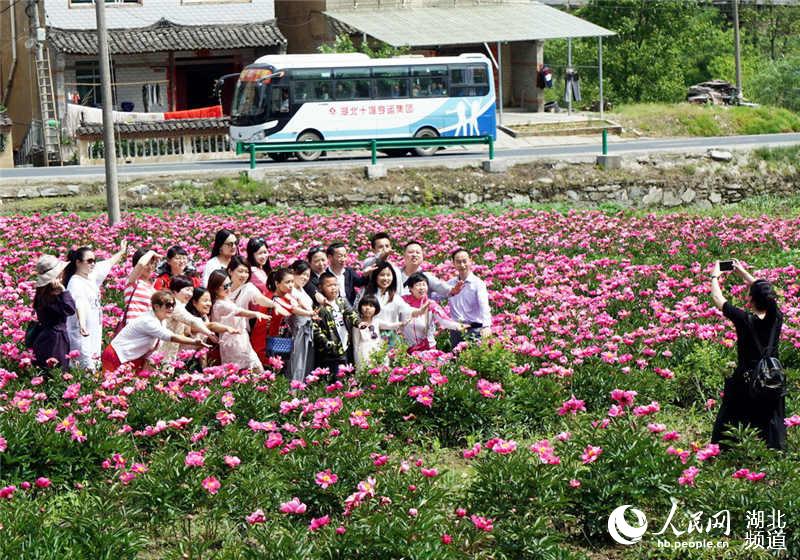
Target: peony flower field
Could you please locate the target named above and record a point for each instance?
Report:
(598, 388)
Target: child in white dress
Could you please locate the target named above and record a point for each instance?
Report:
(367, 339)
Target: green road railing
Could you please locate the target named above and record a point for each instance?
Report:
(374, 146)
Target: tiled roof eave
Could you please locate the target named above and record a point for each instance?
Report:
(165, 36)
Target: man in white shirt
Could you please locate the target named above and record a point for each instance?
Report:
(468, 302)
(141, 336)
(412, 263)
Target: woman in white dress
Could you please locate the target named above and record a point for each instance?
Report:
(394, 312)
(83, 277)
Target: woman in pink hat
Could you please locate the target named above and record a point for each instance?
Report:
(52, 304)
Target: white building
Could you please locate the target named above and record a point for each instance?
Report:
(165, 54)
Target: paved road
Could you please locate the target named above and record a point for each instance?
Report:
(449, 157)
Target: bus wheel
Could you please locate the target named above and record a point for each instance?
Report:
(278, 156)
(426, 133)
(309, 137)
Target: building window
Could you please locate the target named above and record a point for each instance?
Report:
(87, 78)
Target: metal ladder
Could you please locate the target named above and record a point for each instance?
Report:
(51, 127)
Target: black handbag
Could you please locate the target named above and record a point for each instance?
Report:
(32, 332)
(767, 380)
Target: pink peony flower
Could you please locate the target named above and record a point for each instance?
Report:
(572, 406)
(792, 421)
(326, 478)
(211, 484)
(590, 454)
(318, 523)
(195, 458)
(274, 439)
(429, 473)
(504, 447)
(482, 523)
(42, 482)
(256, 517)
(293, 506)
(688, 476)
(232, 461)
(473, 452)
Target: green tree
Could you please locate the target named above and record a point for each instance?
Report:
(773, 30)
(377, 49)
(661, 46)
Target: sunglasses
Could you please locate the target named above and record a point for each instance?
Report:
(226, 286)
(90, 261)
(168, 305)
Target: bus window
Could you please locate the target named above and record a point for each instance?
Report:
(391, 88)
(352, 89)
(311, 90)
(279, 101)
(469, 81)
(428, 81)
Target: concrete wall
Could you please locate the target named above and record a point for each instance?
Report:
(17, 88)
(526, 59)
(62, 13)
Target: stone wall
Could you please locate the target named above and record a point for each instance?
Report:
(649, 182)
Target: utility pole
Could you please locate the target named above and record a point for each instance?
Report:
(109, 145)
(736, 50)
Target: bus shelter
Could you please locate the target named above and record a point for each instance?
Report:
(517, 28)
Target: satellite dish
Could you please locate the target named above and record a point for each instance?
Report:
(30, 42)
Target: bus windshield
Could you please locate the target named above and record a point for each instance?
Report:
(251, 99)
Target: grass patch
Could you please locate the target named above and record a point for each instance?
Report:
(783, 154)
(685, 119)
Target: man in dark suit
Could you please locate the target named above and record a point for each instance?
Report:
(346, 276)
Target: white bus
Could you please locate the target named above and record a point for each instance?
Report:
(305, 98)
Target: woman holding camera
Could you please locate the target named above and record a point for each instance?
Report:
(759, 328)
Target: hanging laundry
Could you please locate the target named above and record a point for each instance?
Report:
(151, 96)
(573, 85)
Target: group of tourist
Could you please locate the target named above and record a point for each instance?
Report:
(317, 313)
(320, 313)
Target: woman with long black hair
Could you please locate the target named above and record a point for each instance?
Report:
(83, 277)
(759, 327)
(222, 251)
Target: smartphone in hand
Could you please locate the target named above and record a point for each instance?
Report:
(725, 266)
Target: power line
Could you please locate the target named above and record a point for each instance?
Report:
(11, 5)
